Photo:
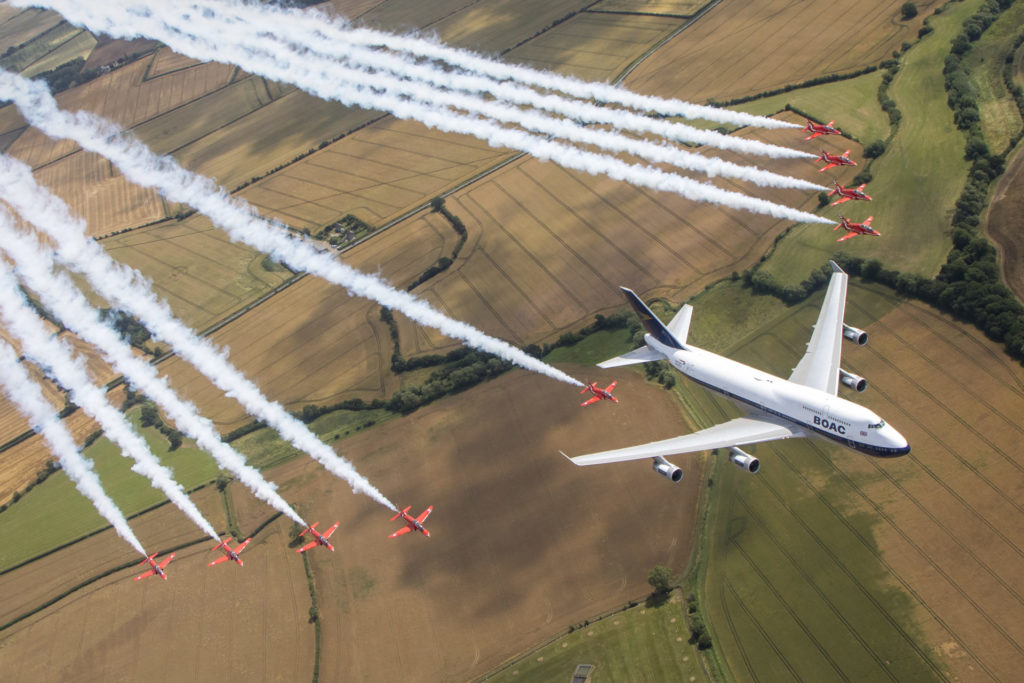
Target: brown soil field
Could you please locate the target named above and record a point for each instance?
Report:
(350, 8)
(202, 623)
(1004, 226)
(593, 46)
(951, 521)
(523, 544)
(376, 173)
(772, 44)
(496, 26)
(109, 50)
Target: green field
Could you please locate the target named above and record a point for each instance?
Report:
(852, 103)
(1000, 118)
(916, 182)
(55, 513)
(639, 644)
(794, 588)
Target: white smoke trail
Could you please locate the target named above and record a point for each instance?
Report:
(257, 24)
(59, 295)
(238, 218)
(128, 290)
(436, 88)
(297, 72)
(336, 29)
(66, 369)
(26, 395)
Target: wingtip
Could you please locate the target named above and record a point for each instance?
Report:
(835, 267)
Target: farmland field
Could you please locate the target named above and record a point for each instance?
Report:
(676, 7)
(916, 182)
(1004, 228)
(593, 46)
(772, 44)
(830, 563)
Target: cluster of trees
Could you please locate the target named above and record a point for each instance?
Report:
(150, 417)
(348, 229)
(474, 367)
(698, 630)
(615, 321)
(891, 67)
(763, 283)
(444, 263)
(819, 80)
(1015, 90)
(130, 329)
(72, 73)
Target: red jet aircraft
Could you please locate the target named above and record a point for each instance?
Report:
(846, 194)
(599, 393)
(817, 129)
(318, 538)
(229, 554)
(155, 568)
(835, 160)
(412, 523)
(854, 229)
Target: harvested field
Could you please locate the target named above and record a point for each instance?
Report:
(593, 46)
(97, 192)
(40, 46)
(115, 629)
(79, 45)
(315, 343)
(682, 8)
(196, 268)
(548, 247)
(19, 26)
(351, 8)
(830, 563)
(376, 173)
(108, 50)
(497, 26)
(773, 44)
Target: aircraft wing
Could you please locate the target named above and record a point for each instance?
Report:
(644, 354)
(145, 575)
(241, 547)
(423, 515)
(401, 532)
(222, 558)
(167, 561)
(819, 368)
(595, 399)
(311, 544)
(737, 432)
(330, 531)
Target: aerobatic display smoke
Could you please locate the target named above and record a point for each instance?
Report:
(128, 290)
(238, 218)
(335, 29)
(433, 87)
(184, 38)
(58, 361)
(27, 396)
(59, 295)
(256, 25)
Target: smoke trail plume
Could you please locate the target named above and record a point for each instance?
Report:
(335, 29)
(59, 295)
(238, 218)
(215, 47)
(258, 24)
(26, 395)
(128, 290)
(60, 363)
(436, 88)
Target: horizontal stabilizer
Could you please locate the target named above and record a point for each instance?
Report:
(644, 354)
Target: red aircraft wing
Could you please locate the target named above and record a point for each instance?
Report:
(844, 198)
(401, 532)
(222, 558)
(586, 403)
(846, 236)
(140, 577)
(241, 547)
(327, 534)
(311, 544)
(423, 515)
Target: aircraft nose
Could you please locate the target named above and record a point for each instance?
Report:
(896, 441)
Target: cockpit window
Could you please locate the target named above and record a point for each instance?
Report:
(878, 425)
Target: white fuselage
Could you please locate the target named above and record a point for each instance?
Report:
(812, 410)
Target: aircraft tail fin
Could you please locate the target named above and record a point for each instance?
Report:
(651, 323)
(679, 327)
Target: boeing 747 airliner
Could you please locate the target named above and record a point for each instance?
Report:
(804, 405)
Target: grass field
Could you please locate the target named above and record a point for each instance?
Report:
(853, 103)
(54, 513)
(19, 26)
(773, 44)
(829, 564)
(1002, 224)
(1000, 117)
(40, 46)
(78, 45)
(640, 644)
(916, 182)
(683, 8)
(593, 46)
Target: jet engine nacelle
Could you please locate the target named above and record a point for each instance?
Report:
(854, 334)
(667, 469)
(853, 381)
(745, 461)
